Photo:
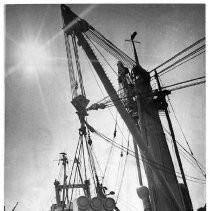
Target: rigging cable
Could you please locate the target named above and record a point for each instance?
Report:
(178, 54)
(78, 65)
(176, 140)
(185, 153)
(111, 45)
(111, 52)
(185, 138)
(114, 49)
(171, 105)
(187, 159)
(123, 173)
(103, 95)
(73, 81)
(101, 55)
(94, 156)
(77, 148)
(118, 171)
(183, 58)
(111, 150)
(77, 168)
(172, 89)
(183, 82)
(186, 86)
(132, 153)
(109, 103)
(183, 62)
(83, 153)
(91, 163)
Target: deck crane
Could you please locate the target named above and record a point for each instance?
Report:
(164, 191)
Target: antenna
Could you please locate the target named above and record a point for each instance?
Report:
(134, 48)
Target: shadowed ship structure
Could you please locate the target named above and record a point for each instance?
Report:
(139, 105)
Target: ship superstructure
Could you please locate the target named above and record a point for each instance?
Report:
(139, 106)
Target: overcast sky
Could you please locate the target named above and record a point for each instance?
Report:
(40, 121)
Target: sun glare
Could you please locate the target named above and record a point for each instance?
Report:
(33, 56)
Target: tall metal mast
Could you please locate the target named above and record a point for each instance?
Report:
(64, 162)
(131, 107)
(163, 185)
(188, 201)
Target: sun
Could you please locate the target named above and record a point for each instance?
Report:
(33, 56)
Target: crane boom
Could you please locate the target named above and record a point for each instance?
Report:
(74, 26)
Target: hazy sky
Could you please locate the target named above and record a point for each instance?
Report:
(40, 121)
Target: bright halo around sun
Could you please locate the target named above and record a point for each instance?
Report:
(33, 56)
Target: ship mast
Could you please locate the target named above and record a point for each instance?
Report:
(131, 107)
(64, 162)
(165, 193)
(188, 201)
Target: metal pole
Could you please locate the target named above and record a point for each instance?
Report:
(134, 48)
(175, 146)
(64, 159)
(137, 163)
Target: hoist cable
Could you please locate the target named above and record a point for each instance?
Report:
(114, 54)
(74, 160)
(102, 92)
(110, 50)
(73, 187)
(130, 61)
(70, 67)
(112, 46)
(178, 54)
(102, 56)
(98, 41)
(78, 65)
(90, 162)
(83, 153)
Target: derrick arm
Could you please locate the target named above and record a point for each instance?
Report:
(122, 111)
(75, 26)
